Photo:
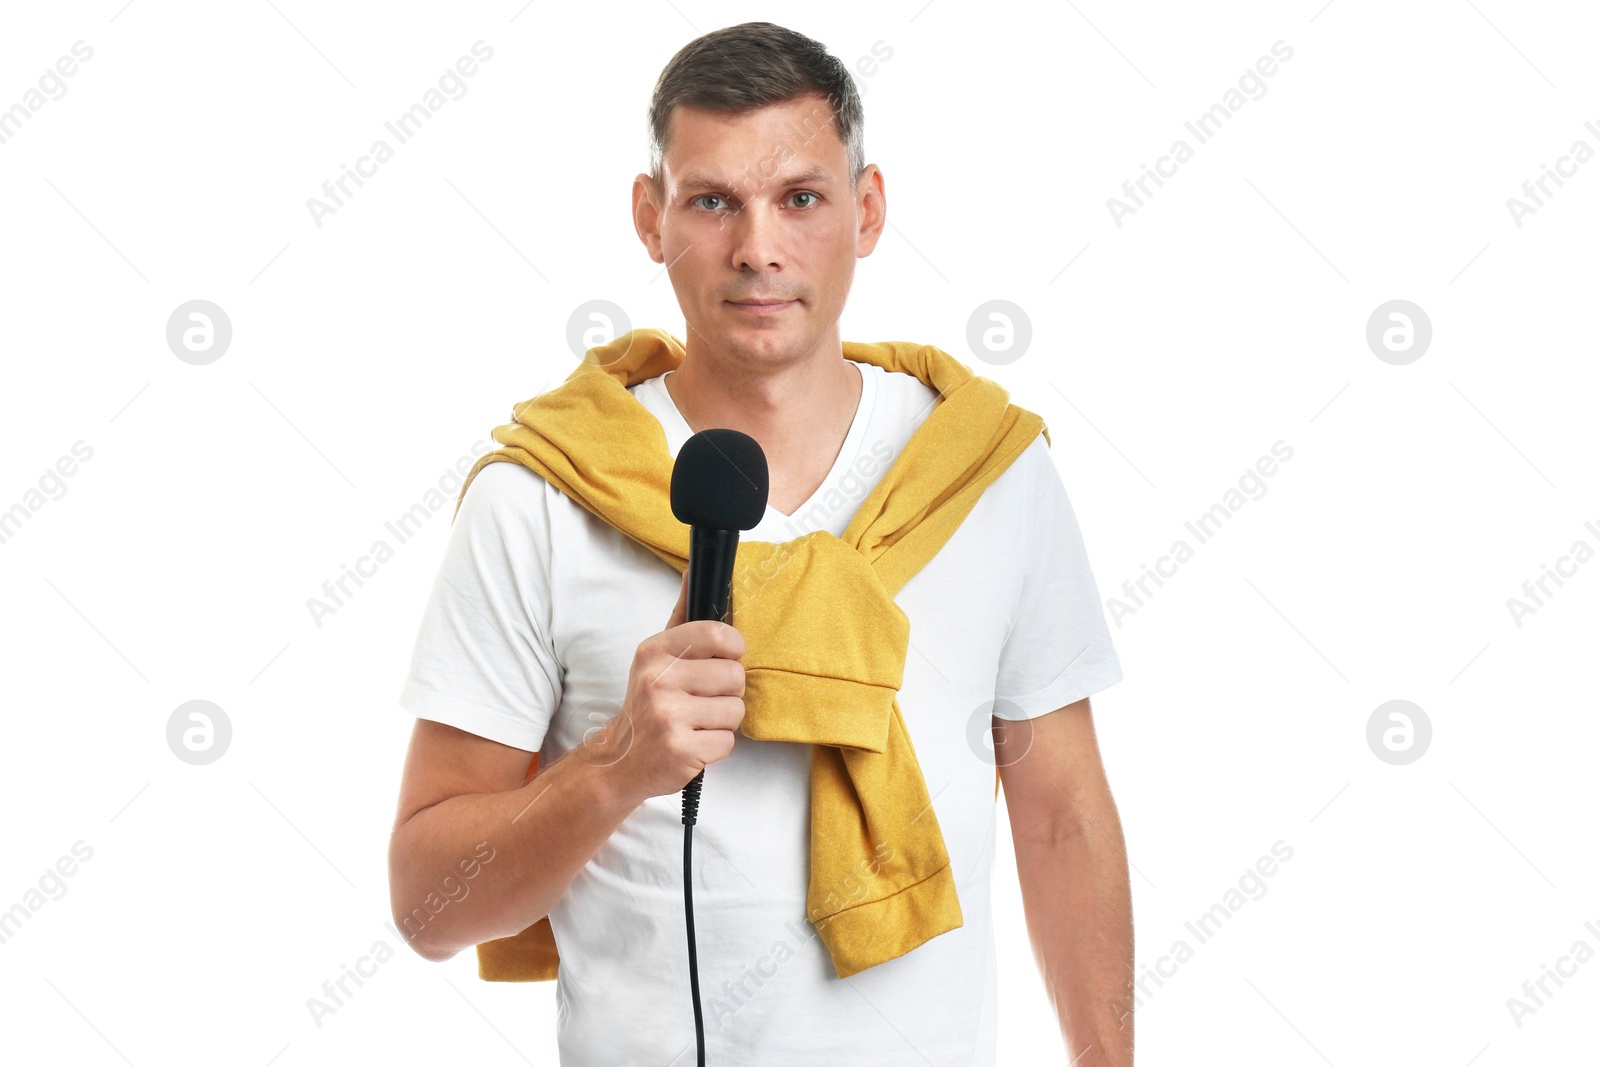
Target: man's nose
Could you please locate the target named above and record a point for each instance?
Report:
(757, 238)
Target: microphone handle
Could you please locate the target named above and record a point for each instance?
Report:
(711, 554)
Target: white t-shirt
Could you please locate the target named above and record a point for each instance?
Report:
(527, 638)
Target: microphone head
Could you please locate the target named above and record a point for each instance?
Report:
(719, 481)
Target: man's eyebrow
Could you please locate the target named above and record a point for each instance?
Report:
(814, 176)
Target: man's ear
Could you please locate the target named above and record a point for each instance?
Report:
(647, 215)
(871, 207)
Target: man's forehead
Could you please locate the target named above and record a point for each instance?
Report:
(702, 177)
(798, 135)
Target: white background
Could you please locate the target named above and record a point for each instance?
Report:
(1227, 314)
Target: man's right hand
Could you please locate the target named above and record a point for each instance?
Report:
(683, 705)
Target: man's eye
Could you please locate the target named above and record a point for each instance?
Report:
(812, 199)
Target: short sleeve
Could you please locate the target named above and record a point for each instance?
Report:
(484, 660)
(1058, 649)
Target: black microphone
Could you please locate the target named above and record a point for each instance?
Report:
(719, 487)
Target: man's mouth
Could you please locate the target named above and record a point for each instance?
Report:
(761, 307)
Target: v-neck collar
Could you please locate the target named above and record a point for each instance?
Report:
(681, 431)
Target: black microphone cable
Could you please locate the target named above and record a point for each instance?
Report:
(691, 807)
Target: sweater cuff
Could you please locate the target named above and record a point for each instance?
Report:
(872, 933)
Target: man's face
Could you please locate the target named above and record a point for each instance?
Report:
(758, 208)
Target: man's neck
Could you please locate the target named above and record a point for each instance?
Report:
(788, 408)
(799, 412)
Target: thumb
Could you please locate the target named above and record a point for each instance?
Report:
(681, 611)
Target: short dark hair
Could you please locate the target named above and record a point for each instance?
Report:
(750, 66)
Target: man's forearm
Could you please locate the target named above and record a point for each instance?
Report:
(1077, 901)
(541, 834)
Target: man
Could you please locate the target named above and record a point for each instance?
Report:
(544, 634)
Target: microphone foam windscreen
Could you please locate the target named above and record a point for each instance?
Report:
(719, 481)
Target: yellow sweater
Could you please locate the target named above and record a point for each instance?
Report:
(825, 643)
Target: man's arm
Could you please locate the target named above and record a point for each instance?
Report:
(462, 795)
(460, 791)
(1073, 871)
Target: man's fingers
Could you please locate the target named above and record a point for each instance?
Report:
(711, 639)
